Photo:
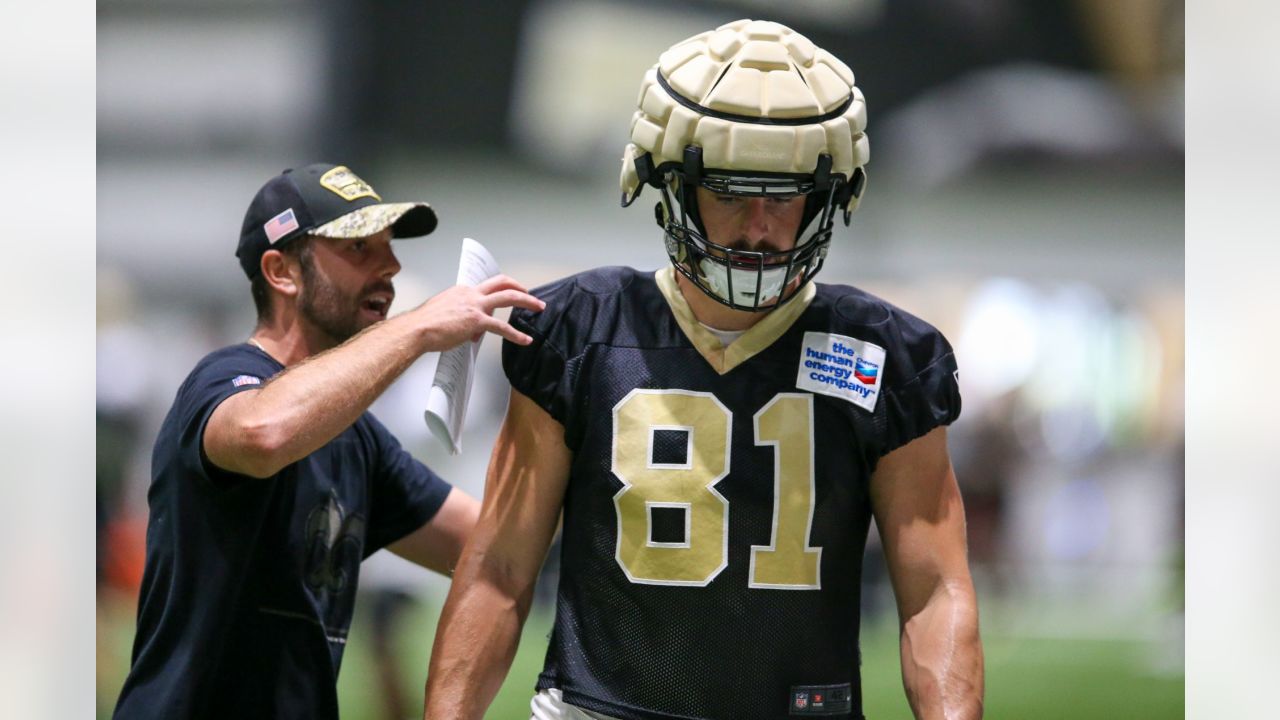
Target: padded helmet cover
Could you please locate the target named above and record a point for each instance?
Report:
(755, 96)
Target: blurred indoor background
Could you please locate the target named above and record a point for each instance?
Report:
(1025, 195)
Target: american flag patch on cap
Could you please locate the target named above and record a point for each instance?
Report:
(280, 225)
(245, 380)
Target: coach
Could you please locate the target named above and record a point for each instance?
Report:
(271, 481)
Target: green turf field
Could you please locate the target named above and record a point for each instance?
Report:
(1040, 679)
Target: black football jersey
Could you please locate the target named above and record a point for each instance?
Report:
(717, 508)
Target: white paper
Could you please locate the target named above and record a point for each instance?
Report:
(455, 370)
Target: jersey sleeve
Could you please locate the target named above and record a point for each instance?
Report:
(543, 370)
(405, 494)
(216, 378)
(924, 392)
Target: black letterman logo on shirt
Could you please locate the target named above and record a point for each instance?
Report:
(334, 542)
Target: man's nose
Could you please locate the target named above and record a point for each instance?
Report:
(757, 220)
(389, 265)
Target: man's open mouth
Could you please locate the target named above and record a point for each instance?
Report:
(378, 304)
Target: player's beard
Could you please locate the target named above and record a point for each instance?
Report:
(328, 309)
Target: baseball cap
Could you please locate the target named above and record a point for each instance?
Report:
(325, 200)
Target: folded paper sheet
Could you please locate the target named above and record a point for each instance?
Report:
(455, 371)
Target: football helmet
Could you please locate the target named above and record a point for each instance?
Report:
(753, 109)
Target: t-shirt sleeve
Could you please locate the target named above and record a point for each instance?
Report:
(925, 391)
(543, 370)
(216, 378)
(406, 494)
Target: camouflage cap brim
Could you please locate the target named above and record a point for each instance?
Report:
(373, 219)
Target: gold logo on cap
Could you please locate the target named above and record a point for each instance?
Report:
(347, 185)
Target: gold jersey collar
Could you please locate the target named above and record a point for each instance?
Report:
(724, 358)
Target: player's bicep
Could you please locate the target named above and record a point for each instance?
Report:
(524, 491)
(920, 516)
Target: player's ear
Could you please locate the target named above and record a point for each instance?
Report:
(281, 272)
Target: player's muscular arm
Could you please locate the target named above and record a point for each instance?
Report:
(493, 586)
(921, 520)
(258, 432)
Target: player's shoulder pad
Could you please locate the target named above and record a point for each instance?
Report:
(576, 305)
(605, 281)
(911, 345)
(582, 310)
(921, 384)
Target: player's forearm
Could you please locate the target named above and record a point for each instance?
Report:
(942, 663)
(492, 589)
(310, 403)
(476, 640)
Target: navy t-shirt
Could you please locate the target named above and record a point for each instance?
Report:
(249, 583)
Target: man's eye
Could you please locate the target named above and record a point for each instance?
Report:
(358, 245)
(728, 199)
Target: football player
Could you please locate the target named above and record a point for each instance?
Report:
(720, 434)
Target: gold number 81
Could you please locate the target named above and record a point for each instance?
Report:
(785, 422)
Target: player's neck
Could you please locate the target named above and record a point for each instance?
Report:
(711, 313)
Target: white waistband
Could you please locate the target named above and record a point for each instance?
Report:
(549, 704)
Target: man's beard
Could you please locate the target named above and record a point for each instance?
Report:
(331, 311)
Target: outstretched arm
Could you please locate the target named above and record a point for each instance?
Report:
(493, 586)
(258, 432)
(920, 515)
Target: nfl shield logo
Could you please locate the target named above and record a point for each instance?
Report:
(802, 700)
